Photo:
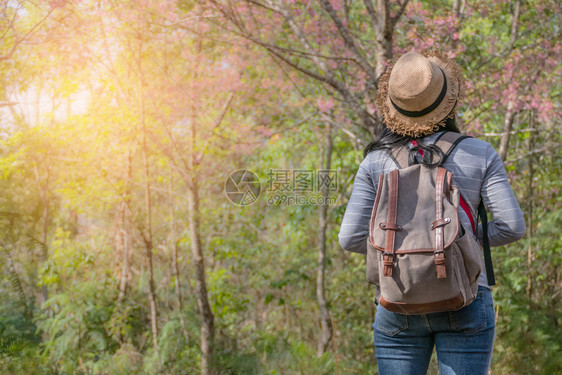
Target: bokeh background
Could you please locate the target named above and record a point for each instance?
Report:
(121, 122)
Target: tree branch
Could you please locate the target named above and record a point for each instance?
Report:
(20, 40)
(396, 18)
(372, 13)
(324, 74)
(348, 40)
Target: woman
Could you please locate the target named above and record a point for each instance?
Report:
(417, 98)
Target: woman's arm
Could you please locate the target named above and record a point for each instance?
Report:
(354, 229)
(508, 223)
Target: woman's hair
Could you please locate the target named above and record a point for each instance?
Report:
(387, 140)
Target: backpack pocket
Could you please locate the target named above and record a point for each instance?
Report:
(373, 256)
(471, 254)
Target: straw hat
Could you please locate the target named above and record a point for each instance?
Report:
(419, 92)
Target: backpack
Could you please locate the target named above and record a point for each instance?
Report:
(419, 255)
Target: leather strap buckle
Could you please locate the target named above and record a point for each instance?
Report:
(388, 261)
(390, 226)
(440, 222)
(440, 264)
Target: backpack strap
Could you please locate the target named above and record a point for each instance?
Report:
(400, 156)
(486, 245)
(447, 142)
(439, 253)
(390, 226)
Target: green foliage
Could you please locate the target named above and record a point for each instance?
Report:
(528, 309)
(74, 212)
(19, 339)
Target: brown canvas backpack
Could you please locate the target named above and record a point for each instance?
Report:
(419, 254)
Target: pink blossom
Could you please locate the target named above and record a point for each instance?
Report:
(57, 3)
(333, 64)
(336, 4)
(325, 105)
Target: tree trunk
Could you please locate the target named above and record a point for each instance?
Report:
(383, 24)
(124, 244)
(515, 22)
(124, 234)
(325, 320)
(174, 246)
(45, 251)
(383, 29)
(530, 202)
(207, 318)
(148, 208)
(507, 126)
(44, 194)
(458, 6)
(510, 112)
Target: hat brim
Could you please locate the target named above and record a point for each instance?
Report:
(427, 124)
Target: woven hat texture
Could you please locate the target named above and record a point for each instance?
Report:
(419, 92)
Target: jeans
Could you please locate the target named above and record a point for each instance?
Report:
(463, 339)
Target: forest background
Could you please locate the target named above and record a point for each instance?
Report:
(121, 121)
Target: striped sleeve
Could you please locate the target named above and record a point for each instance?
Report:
(508, 223)
(354, 229)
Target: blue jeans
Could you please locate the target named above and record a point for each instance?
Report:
(463, 339)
